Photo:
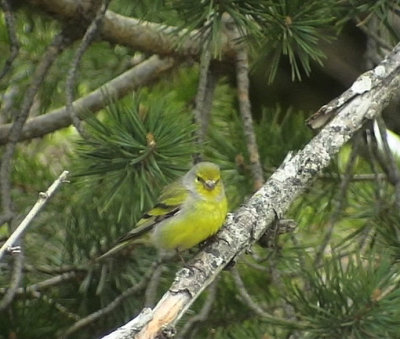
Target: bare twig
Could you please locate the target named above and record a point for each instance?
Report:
(257, 309)
(150, 294)
(60, 308)
(115, 303)
(43, 198)
(252, 219)
(243, 86)
(55, 270)
(198, 111)
(16, 277)
(204, 99)
(45, 283)
(204, 311)
(12, 36)
(371, 34)
(87, 39)
(94, 101)
(242, 76)
(47, 60)
(391, 162)
(341, 201)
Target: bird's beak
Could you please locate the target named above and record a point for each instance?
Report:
(209, 184)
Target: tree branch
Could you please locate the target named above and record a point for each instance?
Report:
(16, 277)
(53, 50)
(137, 34)
(45, 283)
(87, 39)
(374, 90)
(204, 99)
(12, 36)
(94, 101)
(43, 198)
(243, 86)
(115, 303)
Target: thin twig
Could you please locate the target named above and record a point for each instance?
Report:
(43, 198)
(55, 270)
(61, 308)
(47, 60)
(356, 177)
(242, 76)
(257, 309)
(115, 303)
(204, 99)
(371, 34)
(203, 313)
(12, 36)
(150, 294)
(16, 277)
(87, 39)
(341, 201)
(392, 166)
(44, 284)
(243, 86)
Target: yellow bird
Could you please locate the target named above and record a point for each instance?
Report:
(190, 210)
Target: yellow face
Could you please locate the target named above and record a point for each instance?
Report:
(208, 180)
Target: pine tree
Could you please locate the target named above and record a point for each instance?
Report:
(127, 95)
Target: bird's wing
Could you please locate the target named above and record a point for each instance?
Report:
(170, 202)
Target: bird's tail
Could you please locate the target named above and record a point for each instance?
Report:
(113, 250)
(121, 245)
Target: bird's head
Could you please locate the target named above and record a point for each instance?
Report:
(205, 177)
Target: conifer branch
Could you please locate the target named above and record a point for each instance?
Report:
(43, 198)
(373, 90)
(137, 34)
(87, 39)
(116, 88)
(12, 36)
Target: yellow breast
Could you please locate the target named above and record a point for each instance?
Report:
(191, 226)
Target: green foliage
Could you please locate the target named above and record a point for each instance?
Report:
(350, 297)
(295, 29)
(140, 143)
(135, 150)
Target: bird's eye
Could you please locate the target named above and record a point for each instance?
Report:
(199, 179)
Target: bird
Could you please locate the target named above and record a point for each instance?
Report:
(189, 210)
